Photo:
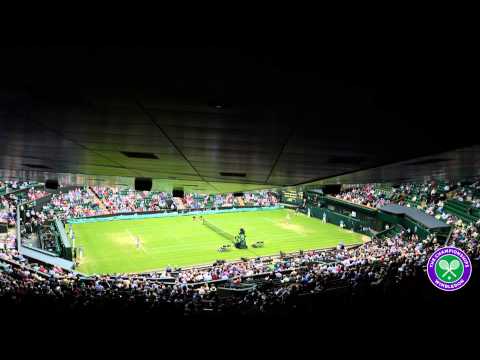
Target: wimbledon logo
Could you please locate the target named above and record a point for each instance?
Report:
(449, 268)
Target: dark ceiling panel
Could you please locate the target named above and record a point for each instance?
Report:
(456, 165)
(282, 117)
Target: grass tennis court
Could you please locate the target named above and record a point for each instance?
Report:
(110, 247)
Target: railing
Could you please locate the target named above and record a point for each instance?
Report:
(6, 192)
(396, 229)
(351, 204)
(447, 241)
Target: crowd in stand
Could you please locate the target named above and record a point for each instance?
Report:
(375, 264)
(429, 197)
(125, 201)
(14, 185)
(369, 265)
(260, 198)
(367, 195)
(7, 211)
(84, 202)
(79, 202)
(8, 203)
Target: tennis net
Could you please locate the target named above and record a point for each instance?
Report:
(219, 231)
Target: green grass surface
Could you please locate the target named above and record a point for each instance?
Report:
(110, 247)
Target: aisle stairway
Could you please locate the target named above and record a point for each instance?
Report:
(100, 202)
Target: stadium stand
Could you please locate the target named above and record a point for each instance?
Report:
(395, 256)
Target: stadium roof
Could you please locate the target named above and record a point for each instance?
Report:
(419, 216)
(218, 120)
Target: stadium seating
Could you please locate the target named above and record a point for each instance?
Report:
(251, 285)
(462, 210)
